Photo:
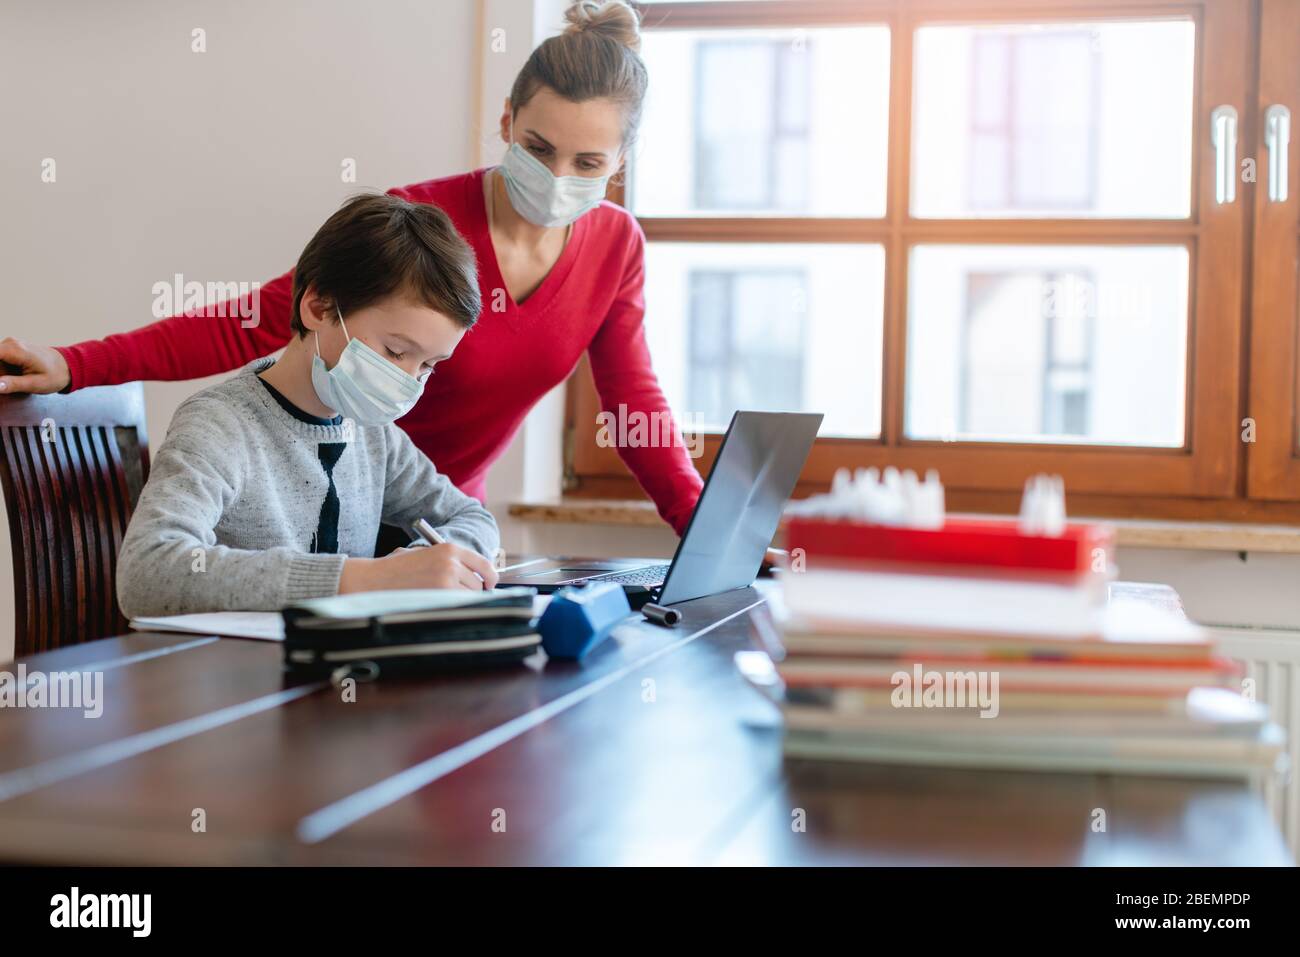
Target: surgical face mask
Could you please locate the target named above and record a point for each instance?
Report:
(363, 385)
(543, 198)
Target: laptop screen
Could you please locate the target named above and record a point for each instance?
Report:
(755, 472)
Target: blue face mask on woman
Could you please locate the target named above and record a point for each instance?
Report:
(363, 385)
(543, 198)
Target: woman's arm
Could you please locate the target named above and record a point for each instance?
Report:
(620, 365)
(215, 338)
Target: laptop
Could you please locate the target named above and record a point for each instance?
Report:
(729, 532)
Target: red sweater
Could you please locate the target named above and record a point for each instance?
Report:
(591, 300)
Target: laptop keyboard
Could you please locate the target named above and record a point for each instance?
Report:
(650, 575)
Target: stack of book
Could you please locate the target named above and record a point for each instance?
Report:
(977, 644)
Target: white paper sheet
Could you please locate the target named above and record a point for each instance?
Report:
(263, 625)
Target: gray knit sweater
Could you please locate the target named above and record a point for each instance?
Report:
(227, 519)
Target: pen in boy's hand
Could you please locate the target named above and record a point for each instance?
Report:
(430, 535)
(427, 532)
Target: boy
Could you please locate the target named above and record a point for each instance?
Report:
(270, 487)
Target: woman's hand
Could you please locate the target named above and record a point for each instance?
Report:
(434, 566)
(35, 369)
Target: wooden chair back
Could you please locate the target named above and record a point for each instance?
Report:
(71, 467)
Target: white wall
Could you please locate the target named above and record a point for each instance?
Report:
(218, 165)
(532, 467)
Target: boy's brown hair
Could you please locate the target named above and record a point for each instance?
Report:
(379, 245)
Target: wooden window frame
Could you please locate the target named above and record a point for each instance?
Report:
(1274, 385)
(1206, 477)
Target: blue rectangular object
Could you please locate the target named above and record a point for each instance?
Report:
(578, 619)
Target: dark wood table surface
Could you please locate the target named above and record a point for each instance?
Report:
(652, 751)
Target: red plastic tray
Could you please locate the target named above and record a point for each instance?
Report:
(970, 543)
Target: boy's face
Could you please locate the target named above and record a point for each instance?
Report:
(410, 335)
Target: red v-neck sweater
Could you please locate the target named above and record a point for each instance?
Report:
(591, 300)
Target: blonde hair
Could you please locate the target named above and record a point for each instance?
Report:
(597, 55)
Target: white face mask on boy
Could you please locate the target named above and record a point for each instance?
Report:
(543, 198)
(363, 385)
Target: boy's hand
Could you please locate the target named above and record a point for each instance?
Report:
(434, 566)
(40, 369)
(443, 566)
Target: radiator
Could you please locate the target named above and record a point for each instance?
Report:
(1272, 660)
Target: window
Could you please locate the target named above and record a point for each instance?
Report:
(1033, 146)
(762, 122)
(1054, 120)
(1070, 316)
(777, 326)
(983, 238)
(1003, 339)
(747, 341)
(767, 130)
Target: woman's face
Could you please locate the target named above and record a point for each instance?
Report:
(572, 139)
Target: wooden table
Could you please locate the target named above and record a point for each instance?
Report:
(653, 751)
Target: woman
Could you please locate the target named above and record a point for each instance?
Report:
(560, 271)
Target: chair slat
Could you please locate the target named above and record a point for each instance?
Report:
(99, 538)
(110, 479)
(43, 439)
(74, 545)
(39, 554)
(21, 509)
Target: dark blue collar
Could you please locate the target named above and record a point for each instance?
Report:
(296, 412)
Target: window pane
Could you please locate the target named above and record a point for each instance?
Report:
(1079, 120)
(1047, 343)
(792, 327)
(763, 122)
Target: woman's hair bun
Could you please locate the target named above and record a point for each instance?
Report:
(614, 19)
